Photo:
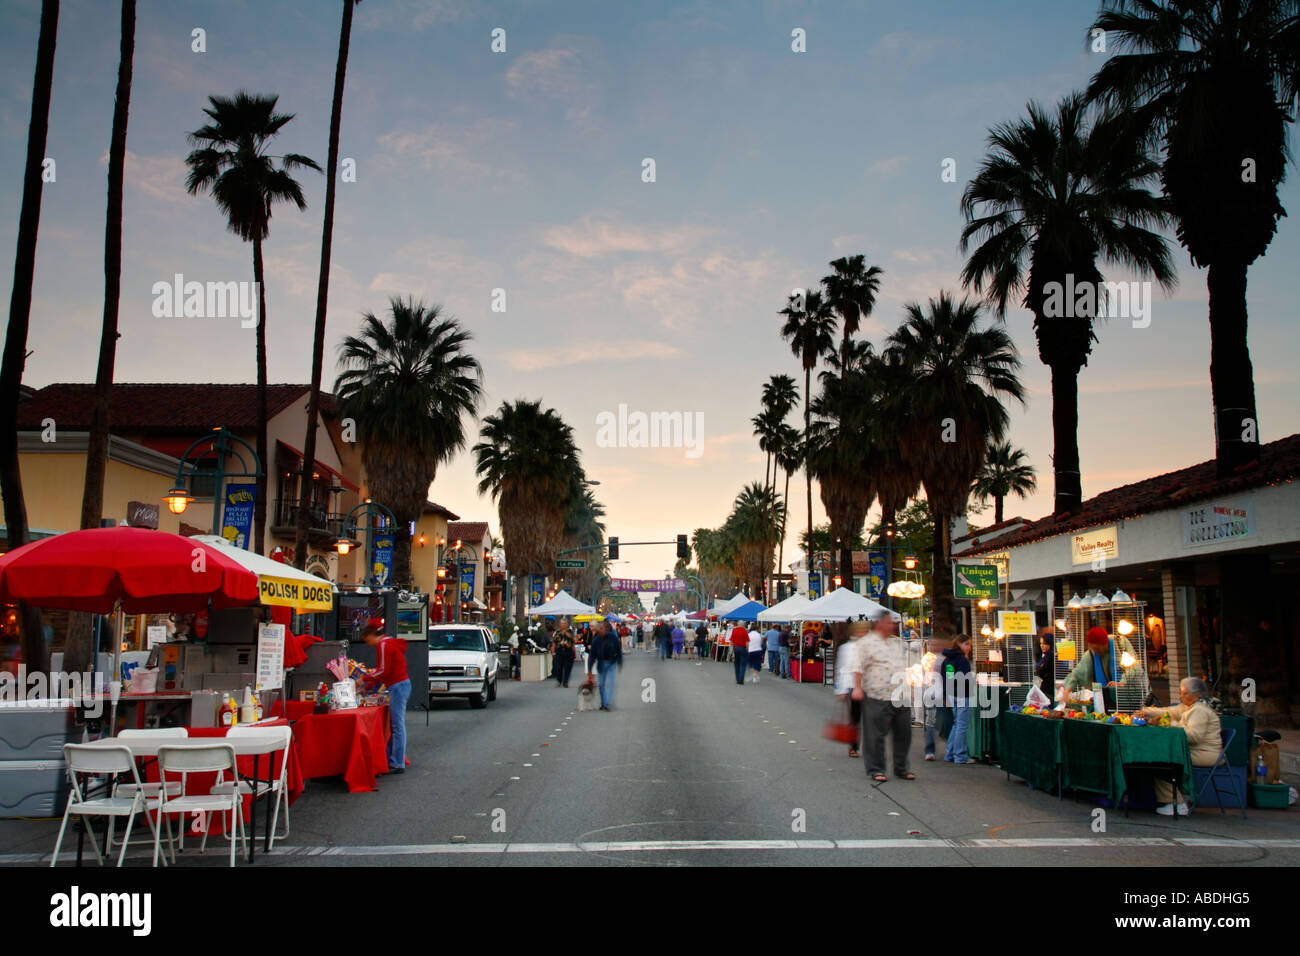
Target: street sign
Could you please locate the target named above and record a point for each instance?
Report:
(571, 563)
(972, 582)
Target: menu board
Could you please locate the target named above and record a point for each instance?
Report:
(270, 656)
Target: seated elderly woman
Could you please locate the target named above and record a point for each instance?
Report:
(1201, 725)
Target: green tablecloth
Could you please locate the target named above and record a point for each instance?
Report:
(982, 730)
(1030, 748)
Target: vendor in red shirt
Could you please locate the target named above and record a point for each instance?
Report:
(739, 641)
(390, 669)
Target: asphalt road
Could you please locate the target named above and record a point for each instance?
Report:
(691, 768)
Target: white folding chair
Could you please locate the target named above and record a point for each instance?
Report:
(189, 758)
(278, 784)
(174, 787)
(102, 762)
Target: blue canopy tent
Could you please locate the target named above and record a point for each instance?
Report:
(746, 612)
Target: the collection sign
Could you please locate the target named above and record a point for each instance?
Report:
(1089, 546)
(1214, 522)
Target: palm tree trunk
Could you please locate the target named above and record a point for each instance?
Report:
(77, 650)
(1232, 378)
(997, 509)
(322, 295)
(1065, 439)
(807, 464)
(940, 588)
(780, 559)
(259, 506)
(20, 308)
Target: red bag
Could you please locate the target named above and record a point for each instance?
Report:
(841, 728)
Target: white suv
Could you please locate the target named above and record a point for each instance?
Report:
(463, 663)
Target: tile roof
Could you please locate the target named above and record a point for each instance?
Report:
(159, 408)
(1279, 462)
(433, 508)
(984, 532)
(470, 531)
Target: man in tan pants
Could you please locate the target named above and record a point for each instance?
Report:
(1201, 725)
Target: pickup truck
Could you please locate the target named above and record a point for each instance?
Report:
(463, 662)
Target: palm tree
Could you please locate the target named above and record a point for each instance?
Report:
(525, 458)
(841, 459)
(322, 293)
(789, 458)
(810, 329)
(851, 290)
(1055, 195)
(231, 162)
(753, 515)
(77, 650)
(409, 385)
(1005, 472)
(958, 373)
(20, 310)
(1218, 82)
(583, 529)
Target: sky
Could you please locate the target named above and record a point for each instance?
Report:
(525, 171)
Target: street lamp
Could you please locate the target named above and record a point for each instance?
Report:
(457, 548)
(179, 497)
(350, 529)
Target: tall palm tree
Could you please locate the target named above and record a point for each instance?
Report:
(584, 528)
(841, 458)
(525, 458)
(958, 373)
(20, 311)
(851, 290)
(231, 162)
(780, 393)
(1056, 194)
(409, 384)
(1218, 82)
(1005, 472)
(322, 293)
(789, 458)
(77, 650)
(810, 329)
(755, 511)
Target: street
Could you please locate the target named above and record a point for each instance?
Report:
(703, 772)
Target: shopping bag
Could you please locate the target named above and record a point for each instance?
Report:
(943, 722)
(1036, 698)
(841, 727)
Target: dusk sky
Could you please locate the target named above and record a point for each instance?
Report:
(523, 171)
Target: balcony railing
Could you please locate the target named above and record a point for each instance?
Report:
(320, 523)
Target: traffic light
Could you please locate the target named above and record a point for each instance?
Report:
(613, 549)
(683, 549)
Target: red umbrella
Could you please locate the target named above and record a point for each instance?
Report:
(150, 572)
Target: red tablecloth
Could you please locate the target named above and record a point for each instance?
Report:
(268, 768)
(352, 744)
(807, 673)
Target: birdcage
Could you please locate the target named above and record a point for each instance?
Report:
(1123, 619)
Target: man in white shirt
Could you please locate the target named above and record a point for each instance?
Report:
(881, 682)
(847, 663)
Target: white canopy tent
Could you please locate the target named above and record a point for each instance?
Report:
(721, 608)
(785, 611)
(563, 604)
(843, 604)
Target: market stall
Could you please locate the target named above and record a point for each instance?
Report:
(816, 661)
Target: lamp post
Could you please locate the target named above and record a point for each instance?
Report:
(457, 549)
(891, 532)
(350, 529)
(178, 498)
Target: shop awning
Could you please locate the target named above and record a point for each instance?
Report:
(278, 585)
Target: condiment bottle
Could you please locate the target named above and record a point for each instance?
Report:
(246, 714)
(227, 711)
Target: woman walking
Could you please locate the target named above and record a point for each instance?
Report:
(564, 654)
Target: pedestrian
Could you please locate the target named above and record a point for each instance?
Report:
(606, 657)
(881, 680)
(564, 654)
(955, 674)
(1045, 671)
(640, 635)
(701, 640)
(930, 697)
(783, 645)
(755, 652)
(739, 641)
(679, 640)
(390, 670)
(847, 660)
(772, 642)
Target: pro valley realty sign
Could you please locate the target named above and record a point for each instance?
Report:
(1089, 546)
